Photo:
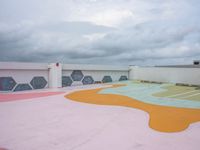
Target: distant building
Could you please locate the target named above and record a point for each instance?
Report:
(196, 64)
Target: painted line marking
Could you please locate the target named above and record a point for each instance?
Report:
(183, 93)
(191, 95)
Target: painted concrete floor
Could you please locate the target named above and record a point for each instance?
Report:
(57, 123)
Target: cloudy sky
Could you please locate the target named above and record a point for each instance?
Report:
(126, 32)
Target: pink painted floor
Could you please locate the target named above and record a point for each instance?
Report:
(56, 123)
(22, 96)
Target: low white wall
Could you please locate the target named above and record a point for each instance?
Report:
(19, 76)
(45, 75)
(24, 76)
(96, 72)
(166, 74)
(94, 67)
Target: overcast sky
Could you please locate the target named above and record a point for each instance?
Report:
(126, 32)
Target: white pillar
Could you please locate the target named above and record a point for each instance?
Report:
(55, 75)
(132, 72)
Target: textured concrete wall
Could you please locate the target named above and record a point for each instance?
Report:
(166, 74)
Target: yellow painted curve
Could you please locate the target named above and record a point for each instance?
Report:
(162, 118)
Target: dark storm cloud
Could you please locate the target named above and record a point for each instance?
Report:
(48, 41)
(154, 40)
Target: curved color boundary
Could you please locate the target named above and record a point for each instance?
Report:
(145, 93)
(162, 118)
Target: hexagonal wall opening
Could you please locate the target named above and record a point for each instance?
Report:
(77, 75)
(66, 81)
(107, 79)
(123, 78)
(87, 80)
(38, 82)
(23, 87)
(7, 83)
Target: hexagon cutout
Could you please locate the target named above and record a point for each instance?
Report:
(38, 82)
(88, 80)
(23, 87)
(77, 75)
(123, 78)
(7, 83)
(66, 81)
(107, 79)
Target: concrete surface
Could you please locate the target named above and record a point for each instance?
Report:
(57, 123)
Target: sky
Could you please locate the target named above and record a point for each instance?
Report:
(113, 32)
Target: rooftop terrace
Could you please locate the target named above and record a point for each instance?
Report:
(75, 107)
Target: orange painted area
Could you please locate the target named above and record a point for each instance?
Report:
(5, 97)
(162, 118)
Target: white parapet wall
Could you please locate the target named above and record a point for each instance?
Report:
(74, 74)
(23, 76)
(26, 76)
(166, 74)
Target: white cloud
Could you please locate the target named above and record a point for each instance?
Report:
(110, 17)
(95, 36)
